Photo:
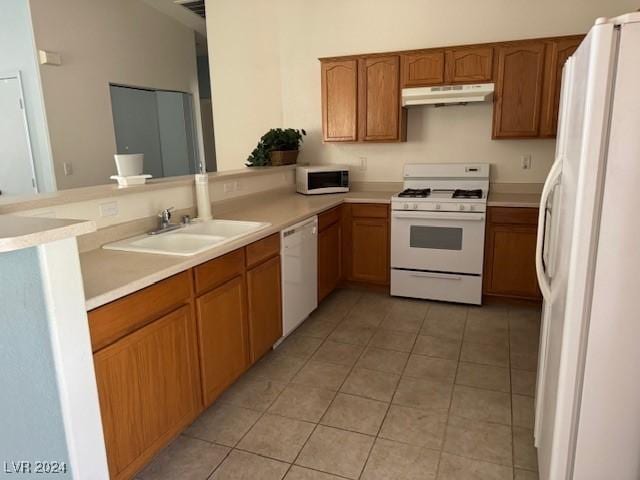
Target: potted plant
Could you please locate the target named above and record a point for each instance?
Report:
(277, 147)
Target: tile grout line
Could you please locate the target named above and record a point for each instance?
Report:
(386, 413)
(446, 426)
(344, 317)
(308, 358)
(513, 446)
(287, 383)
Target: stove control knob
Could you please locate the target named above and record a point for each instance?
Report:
(472, 207)
(462, 208)
(437, 206)
(405, 206)
(415, 206)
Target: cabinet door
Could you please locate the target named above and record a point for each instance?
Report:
(265, 306)
(469, 65)
(380, 118)
(558, 51)
(510, 269)
(370, 250)
(340, 101)
(329, 259)
(423, 69)
(148, 389)
(518, 95)
(222, 329)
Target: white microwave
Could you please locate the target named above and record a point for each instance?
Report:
(316, 179)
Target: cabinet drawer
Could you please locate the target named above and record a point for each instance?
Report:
(219, 270)
(116, 319)
(369, 210)
(328, 218)
(263, 249)
(516, 216)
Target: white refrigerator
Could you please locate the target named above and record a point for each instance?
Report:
(588, 261)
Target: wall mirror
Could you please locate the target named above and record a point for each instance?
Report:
(82, 80)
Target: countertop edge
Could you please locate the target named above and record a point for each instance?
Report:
(190, 262)
(60, 229)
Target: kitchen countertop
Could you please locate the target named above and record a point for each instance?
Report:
(109, 275)
(505, 199)
(22, 232)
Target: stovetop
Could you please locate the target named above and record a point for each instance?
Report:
(416, 193)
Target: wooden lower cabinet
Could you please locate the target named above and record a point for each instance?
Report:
(264, 300)
(223, 337)
(510, 250)
(367, 247)
(329, 252)
(148, 388)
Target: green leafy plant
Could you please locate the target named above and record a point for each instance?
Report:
(275, 139)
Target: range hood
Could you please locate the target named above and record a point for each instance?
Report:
(447, 94)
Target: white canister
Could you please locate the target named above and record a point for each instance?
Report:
(129, 164)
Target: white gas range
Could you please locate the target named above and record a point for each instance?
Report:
(437, 232)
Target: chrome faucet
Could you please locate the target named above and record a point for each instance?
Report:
(165, 222)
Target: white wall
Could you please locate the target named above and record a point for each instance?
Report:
(244, 49)
(308, 30)
(19, 55)
(103, 41)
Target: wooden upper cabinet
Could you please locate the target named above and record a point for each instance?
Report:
(148, 386)
(380, 115)
(469, 65)
(558, 51)
(518, 94)
(340, 101)
(422, 69)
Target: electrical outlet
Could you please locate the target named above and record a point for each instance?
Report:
(109, 209)
(363, 163)
(525, 161)
(68, 169)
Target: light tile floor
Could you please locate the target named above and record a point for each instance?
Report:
(373, 387)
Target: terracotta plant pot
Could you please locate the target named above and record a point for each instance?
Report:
(283, 157)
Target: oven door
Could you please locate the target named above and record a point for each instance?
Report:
(438, 241)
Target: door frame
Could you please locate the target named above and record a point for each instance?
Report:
(16, 74)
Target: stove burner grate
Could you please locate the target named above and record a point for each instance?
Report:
(415, 193)
(458, 193)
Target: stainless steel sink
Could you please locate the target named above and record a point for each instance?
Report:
(190, 239)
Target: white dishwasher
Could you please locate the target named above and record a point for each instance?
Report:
(299, 253)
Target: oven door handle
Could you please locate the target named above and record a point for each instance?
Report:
(439, 216)
(442, 276)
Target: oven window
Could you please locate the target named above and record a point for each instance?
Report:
(325, 179)
(439, 238)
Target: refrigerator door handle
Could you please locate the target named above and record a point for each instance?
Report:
(549, 186)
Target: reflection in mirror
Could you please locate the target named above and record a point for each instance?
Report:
(160, 125)
(104, 77)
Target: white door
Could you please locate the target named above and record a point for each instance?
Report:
(16, 162)
(576, 177)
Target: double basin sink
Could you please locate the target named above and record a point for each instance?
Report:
(190, 239)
